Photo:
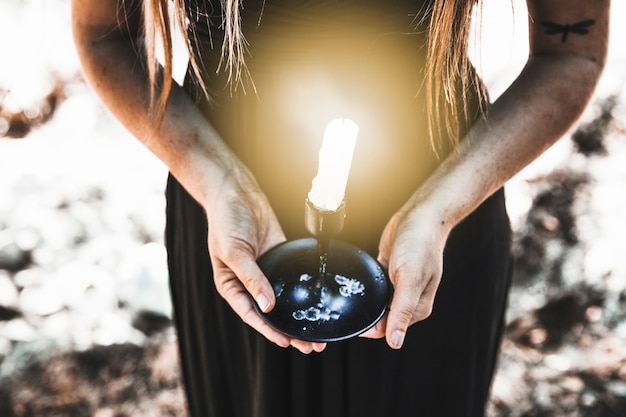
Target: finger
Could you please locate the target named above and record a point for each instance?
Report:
(303, 347)
(427, 301)
(383, 253)
(400, 316)
(319, 347)
(241, 303)
(387, 240)
(254, 281)
(406, 311)
(378, 331)
(406, 296)
(382, 260)
(307, 347)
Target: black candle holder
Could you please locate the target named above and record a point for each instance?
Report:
(326, 290)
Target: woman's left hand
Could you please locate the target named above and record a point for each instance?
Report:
(411, 249)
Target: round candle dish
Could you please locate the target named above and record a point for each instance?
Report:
(347, 299)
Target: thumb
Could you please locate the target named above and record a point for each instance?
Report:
(403, 304)
(255, 282)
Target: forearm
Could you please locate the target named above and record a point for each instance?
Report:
(538, 108)
(184, 140)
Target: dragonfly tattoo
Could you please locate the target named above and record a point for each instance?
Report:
(579, 28)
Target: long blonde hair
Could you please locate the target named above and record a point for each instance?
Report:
(450, 79)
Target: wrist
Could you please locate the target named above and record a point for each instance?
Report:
(435, 206)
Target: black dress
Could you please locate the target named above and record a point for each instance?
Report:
(310, 62)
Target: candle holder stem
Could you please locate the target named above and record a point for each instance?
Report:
(322, 256)
(323, 225)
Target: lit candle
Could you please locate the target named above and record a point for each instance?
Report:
(329, 186)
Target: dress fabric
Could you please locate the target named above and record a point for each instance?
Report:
(309, 62)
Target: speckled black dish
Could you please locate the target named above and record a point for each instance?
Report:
(351, 298)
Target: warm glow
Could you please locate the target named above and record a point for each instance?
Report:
(329, 186)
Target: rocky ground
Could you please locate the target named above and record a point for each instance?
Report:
(85, 319)
(564, 352)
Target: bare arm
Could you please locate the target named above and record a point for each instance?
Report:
(242, 224)
(544, 101)
(108, 40)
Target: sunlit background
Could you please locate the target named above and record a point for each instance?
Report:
(82, 263)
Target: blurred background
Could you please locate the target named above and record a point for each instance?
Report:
(85, 316)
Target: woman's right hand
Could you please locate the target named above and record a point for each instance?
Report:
(243, 226)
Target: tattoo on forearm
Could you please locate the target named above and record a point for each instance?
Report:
(579, 28)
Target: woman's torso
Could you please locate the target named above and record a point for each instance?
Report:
(309, 62)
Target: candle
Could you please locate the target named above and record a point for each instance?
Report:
(329, 186)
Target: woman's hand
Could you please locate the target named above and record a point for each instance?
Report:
(242, 226)
(411, 249)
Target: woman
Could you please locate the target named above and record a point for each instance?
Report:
(424, 195)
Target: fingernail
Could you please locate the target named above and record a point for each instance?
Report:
(397, 338)
(263, 302)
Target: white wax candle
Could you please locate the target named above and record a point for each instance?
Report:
(329, 186)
